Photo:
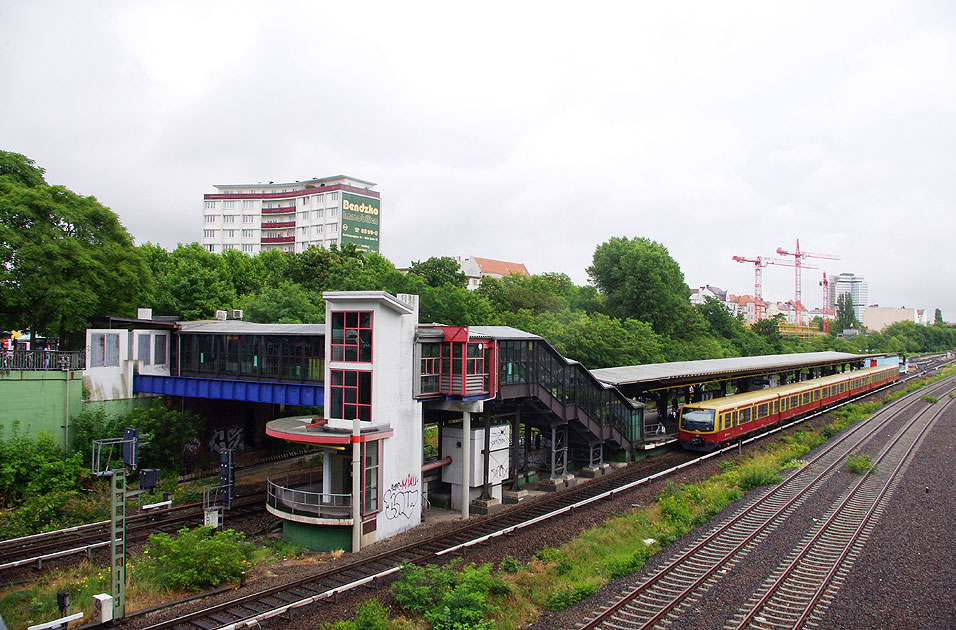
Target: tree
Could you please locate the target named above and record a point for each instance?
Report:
(769, 329)
(642, 281)
(440, 271)
(190, 282)
(938, 320)
(64, 258)
(845, 315)
(287, 303)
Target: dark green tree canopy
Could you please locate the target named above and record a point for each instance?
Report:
(439, 271)
(845, 315)
(641, 281)
(64, 258)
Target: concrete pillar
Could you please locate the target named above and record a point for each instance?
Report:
(356, 486)
(465, 463)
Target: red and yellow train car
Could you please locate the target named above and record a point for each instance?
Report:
(711, 424)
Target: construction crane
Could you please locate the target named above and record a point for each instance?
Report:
(759, 263)
(826, 303)
(798, 257)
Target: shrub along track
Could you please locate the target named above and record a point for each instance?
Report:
(707, 566)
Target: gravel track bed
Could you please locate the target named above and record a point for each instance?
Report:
(905, 578)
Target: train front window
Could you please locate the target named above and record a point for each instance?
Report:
(697, 419)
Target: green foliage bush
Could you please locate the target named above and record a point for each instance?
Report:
(510, 565)
(369, 615)
(194, 558)
(858, 464)
(449, 596)
(930, 399)
(567, 597)
(755, 474)
(35, 465)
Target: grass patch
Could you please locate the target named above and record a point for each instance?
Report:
(859, 464)
(930, 399)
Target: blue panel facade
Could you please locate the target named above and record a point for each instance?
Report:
(306, 395)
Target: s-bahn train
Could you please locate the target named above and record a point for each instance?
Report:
(711, 424)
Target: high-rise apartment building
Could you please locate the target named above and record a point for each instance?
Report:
(856, 287)
(292, 217)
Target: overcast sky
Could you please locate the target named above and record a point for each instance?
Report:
(522, 131)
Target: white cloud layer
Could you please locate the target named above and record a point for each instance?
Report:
(523, 131)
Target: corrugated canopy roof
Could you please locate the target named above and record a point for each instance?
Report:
(709, 368)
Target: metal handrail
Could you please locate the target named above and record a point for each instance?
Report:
(42, 360)
(302, 501)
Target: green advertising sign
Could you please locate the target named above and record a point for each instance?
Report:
(360, 221)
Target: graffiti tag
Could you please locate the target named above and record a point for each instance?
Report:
(227, 438)
(401, 498)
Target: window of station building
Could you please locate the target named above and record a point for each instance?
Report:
(351, 395)
(142, 348)
(104, 350)
(159, 350)
(371, 466)
(431, 368)
(352, 336)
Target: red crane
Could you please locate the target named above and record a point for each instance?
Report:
(826, 303)
(798, 257)
(759, 263)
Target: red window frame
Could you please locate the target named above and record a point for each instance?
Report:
(346, 387)
(351, 336)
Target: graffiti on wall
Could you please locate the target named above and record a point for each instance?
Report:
(227, 438)
(401, 498)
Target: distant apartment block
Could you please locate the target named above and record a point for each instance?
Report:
(292, 217)
(478, 268)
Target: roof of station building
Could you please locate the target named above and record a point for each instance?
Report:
(688, 372)
(240, 327)
(502, 333)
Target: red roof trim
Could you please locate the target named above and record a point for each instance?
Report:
(297, 193)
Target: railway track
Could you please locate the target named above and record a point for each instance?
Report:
(86, 539)
(252, 609)
(796, 591)
(786, 599)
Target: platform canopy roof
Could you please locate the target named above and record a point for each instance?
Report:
(682, 373)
